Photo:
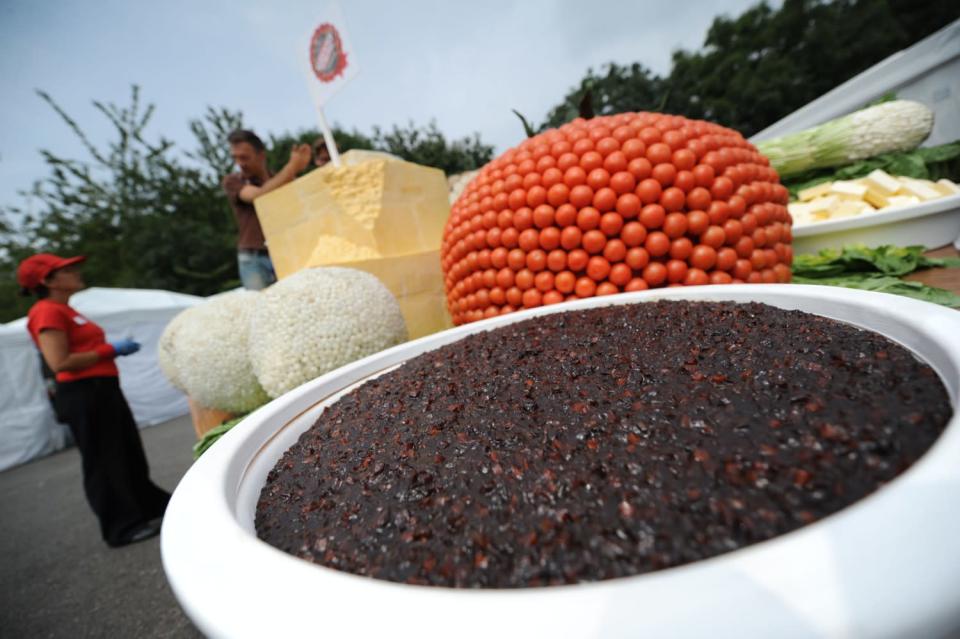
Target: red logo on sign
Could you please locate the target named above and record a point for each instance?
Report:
(327, 56)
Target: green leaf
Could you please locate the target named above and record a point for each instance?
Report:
(908, 165)
(211, 436)
(941, 153)
(888, 284)
(875, 269)
(526, 125)
(857, 258)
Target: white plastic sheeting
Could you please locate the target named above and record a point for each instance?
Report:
(28, 428)
(928, 72)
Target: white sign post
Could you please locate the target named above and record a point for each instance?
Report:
(329, 63)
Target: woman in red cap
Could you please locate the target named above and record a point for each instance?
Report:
(115, 474)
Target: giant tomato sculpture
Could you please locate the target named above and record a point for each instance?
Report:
(615, 203)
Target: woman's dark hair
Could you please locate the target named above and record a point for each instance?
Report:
(40, 292)
(239, 136)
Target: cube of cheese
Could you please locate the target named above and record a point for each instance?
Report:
(946, 187)
(374, 213)
(918, 189)
(848, 208)
(877, 198)
(882, 182)
(897, 201)
(822, 206)
(848, 189)
(814, 191)
(335, 215)
(800, 212)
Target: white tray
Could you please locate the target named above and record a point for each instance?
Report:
(887, 566)
(932, 224)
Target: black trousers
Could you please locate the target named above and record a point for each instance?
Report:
(116, 478)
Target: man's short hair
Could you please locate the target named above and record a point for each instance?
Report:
(318, 144)
(245, 135)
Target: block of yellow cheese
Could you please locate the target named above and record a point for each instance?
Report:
(386, 206)
(848, 189)
(881, 182)
(417, 283)
(374, 213)
(902, 200)
(822, 206)
(946, 187)
(814, 191)
(920, 189)
(877, 198)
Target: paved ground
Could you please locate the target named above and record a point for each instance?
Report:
(58, 579)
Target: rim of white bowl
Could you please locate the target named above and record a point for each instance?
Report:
(232, 584)
(946, 204)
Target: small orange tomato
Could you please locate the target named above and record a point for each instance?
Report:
(637, 258)
(615, 250)
(607, 288)
(593, 241)
(657, 244)
(633, 234)
(577, 260)
(570, 237)
(557, 260)
(620, 274)
(655, 274)
(565, 281)
(585, 287)
(703, 257)
(532, 298)
(636, 284)
(549, 238)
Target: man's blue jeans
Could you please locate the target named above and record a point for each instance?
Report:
(256, 269)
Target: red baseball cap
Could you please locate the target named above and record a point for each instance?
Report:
(33, 270)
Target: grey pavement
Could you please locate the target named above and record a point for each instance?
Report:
(58, 578)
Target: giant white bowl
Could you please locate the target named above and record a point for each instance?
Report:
(887, 566)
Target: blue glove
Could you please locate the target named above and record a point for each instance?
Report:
(125, 346)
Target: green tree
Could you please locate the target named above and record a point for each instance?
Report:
(614, 90)
(279, 146)
(764, 64)
(428, 146)
(144, 217)
(150, 216)
(424, 145)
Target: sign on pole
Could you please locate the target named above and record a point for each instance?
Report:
(329, 63)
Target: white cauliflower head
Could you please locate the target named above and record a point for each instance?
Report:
(317, 320)
(208, 353)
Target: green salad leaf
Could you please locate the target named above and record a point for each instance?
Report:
(211, 436)
(875, 269)
(888, 284)
(858, 258)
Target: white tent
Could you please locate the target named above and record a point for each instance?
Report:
(28, 428)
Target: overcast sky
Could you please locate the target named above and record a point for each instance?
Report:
(466, 65)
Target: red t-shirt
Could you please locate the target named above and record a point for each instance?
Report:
(82, 335)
